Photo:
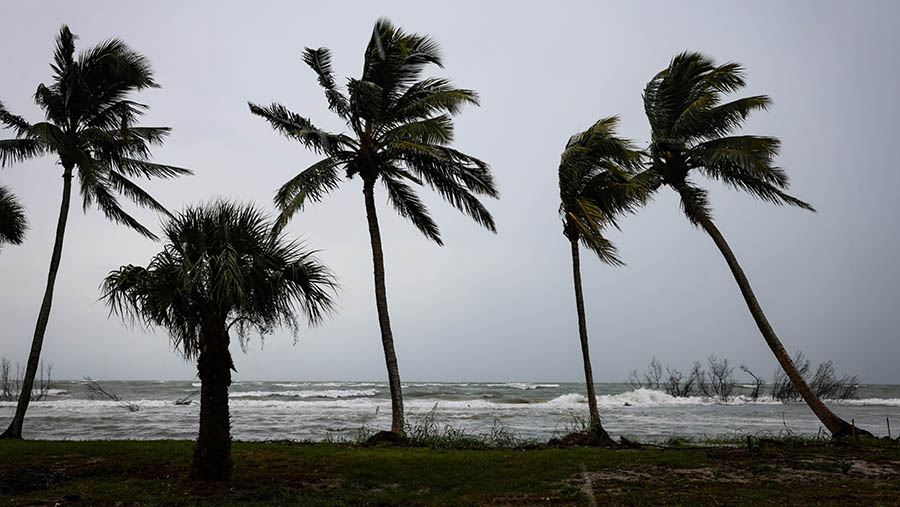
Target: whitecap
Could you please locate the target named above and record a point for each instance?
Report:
(523, 386)
(327, 393)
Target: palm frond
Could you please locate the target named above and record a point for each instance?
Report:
(13, 121)
(437, 130)
(695, 203)
(394, 59)
(110, 207)
(301, 129)
(753, 155)
(742, 180)
(19, 150)
(142, 168)
(312, 184)
(409, 206)
(13, 223)
(319, 60)
(432, 96)
(121, 184)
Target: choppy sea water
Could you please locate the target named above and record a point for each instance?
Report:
(339, 410)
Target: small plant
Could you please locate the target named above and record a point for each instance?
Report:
(364, 433)
(424, 430)
(500, 436)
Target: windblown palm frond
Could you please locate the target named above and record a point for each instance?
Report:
(691, 128)
(599, 181)
(222, 262)
(400, 128)
(12, 218)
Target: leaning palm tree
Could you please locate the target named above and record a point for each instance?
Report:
(221, 271)
(691, 128)
(90, 128)
(597, 183)
(400, 130)
(12, 218)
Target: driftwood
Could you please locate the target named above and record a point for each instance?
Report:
(186, 400)
(96, 391)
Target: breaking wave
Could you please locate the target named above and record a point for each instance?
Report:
(524, 386)
(650, 398)
(327, 393)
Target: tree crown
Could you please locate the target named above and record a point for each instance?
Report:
(691, 125)
(400, 130)
(599, 181)
(89, 123)
(222, 266)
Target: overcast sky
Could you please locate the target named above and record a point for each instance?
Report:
(485, 306)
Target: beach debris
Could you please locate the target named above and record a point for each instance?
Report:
(186, 400)
(96, 391)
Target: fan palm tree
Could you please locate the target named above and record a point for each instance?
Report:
(400, 128)
(90, 127)
(597, 182)
(691, 128)
(12, 218)
(221, 271)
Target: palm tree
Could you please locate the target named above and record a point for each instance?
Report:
(90, 127)
(12, 218)
(400, 130)
(597, 182)
(691, 128)
(221, 269)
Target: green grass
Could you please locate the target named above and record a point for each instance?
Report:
(155, 473)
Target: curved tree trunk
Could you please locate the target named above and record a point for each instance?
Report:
(384, 320)
(212, 455)
(582, 333)
(836, 425)
(37, 342)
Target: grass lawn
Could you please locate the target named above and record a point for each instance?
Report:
(155, 473)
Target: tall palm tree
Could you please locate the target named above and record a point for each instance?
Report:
(401, 127)
(90, 127)
(221, 271)
(597, 182)
(12, 218)
(691, 127)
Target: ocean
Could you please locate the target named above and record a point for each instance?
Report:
(341, 410)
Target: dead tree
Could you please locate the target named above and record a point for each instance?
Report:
(758, 383)
(96, 391)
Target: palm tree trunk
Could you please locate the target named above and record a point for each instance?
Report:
(384, 320)
(837, 426)
(582, 332)
(212, 455)
(14, 431)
